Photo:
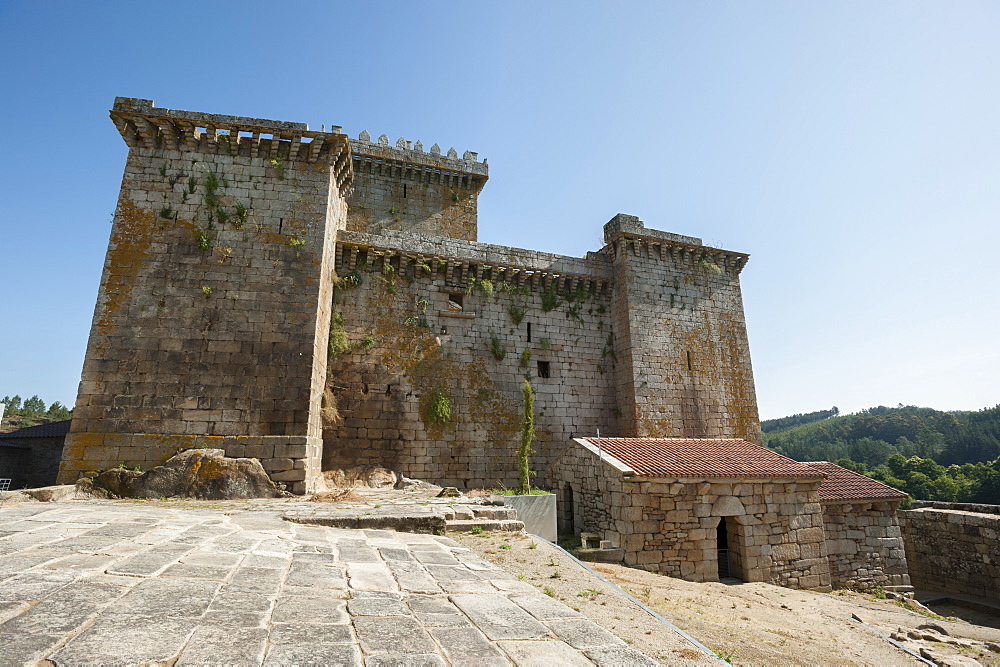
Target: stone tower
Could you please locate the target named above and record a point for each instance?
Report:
(680, 336)
(213, 312)
(406, 189)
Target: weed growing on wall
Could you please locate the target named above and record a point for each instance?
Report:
(439, 411)
(498, 348)
(279, 166)
(350, 281)
(337, 343)
(524, 472)
(706, 263)
(550, 300)
(517, 311)
(525, 358)
(203, 239)
(240, 215)
(484, 286)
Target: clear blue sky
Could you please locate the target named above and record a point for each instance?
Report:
(852, 148)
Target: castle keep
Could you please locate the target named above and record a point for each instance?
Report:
(315, 302)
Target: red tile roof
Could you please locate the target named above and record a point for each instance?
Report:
(676, 457)
(842, 484)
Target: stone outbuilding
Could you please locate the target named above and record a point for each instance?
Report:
(29, 456)
(699, 509)
(705, 509)
(863, 537)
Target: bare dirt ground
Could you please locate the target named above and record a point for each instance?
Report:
(745, 623)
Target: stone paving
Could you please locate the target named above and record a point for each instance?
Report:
(100, 582)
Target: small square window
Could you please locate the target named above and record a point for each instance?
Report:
(455, 302)
(543, 369)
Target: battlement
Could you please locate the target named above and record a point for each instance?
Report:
(412, 155)
(143, 125)
(403, 188)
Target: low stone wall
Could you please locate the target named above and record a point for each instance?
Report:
(865, 545)
(952, 551)
(964, 507)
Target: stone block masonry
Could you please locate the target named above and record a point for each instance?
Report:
(671, 524)
(680, 336)
(865, 545)
(953, 551)
(405, 189)
(217, 314)
(212, 317)
(430, 316)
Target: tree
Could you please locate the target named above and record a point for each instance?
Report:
(33, 406)
(527, 436)
(13, 404)
(58, 412)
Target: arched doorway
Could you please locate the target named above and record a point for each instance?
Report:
(729, 548)
(566, 512)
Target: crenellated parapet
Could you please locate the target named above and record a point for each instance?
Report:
(409, 160)
(144, 126)
(402, 187)
(626, 234)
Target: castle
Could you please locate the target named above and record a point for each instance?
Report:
(315, 301)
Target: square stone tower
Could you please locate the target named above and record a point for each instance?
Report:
(213, 313)
(683, 366)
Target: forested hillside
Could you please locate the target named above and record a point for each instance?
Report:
(30, 412)
(932, 455)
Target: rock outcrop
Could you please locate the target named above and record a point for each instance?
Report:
(206, 474)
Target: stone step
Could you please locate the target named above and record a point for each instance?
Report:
(494, 512)
(504, 525)
(467, 512)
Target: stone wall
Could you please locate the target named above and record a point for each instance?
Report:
(403, 188)
(213, 312)
(680, 336)
(953, 551)
(669, 525)
(865, 545)
(409, 341)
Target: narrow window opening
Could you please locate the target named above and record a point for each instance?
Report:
(543, 369)
(529, 332)
(690, 366)
(455, 302)
(281, 223)
(404, 190)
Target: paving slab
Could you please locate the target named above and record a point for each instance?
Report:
(213, 645)
(498, 617)
(92, 582)
(543, 654)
